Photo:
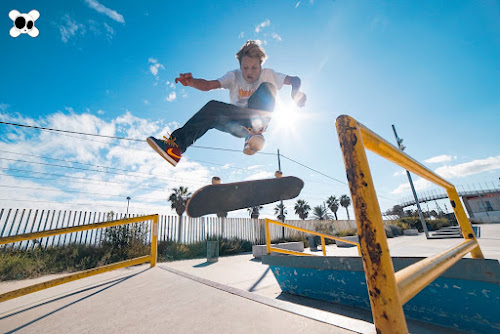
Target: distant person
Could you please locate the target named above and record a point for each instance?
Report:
(252, 91)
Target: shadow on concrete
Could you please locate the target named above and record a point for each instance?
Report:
(252, 288)
(204, 264)
(113, 283)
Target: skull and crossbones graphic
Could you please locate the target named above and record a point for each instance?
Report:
(24, 23)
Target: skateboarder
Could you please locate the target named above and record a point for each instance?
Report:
(252, 91)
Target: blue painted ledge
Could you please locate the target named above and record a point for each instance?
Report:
(465, 297)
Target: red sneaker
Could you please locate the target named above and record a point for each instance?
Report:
(167, 148)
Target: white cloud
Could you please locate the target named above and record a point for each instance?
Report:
(241, 35)
(457, 171)
(261, 25)
(469, 168)
(70, 28)
(420, 184)
(100, 188)
(276, 36)
(439, 159)
(297, 5)
(259, 175)
(94, 4)
(171, 97)
(155, 67)
(402, 172)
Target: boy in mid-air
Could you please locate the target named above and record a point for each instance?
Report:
(252, 91)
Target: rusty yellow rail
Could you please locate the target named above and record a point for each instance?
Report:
(285, 251)
(389, 291)
(151, 258)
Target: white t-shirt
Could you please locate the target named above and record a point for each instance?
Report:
(240, 90)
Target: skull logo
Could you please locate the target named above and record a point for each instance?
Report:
(24, 23)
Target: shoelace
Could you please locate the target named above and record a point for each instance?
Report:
(170, 140)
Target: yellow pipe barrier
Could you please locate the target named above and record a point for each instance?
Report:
(387, 312)
(72, 277)
(152, 258)
(383, 148)
(389, 291)
(380, 146)
(412, 279)
(284, 251)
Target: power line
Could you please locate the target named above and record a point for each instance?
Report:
(141, 140)
(100, 171)
(119, 138)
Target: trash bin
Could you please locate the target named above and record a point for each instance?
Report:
(314, 241)
(212, 250)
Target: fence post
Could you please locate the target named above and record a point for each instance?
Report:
(154, 242)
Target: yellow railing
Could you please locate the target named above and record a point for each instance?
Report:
(389, 291)
(152, 257)
(286, 251)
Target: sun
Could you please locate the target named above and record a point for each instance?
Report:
(287, 117)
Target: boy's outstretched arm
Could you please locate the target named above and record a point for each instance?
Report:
(186, 79)
(298, 97)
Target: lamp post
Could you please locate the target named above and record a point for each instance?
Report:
(128, 202)
(422, 220)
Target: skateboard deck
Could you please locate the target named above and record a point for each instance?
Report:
(217, 198)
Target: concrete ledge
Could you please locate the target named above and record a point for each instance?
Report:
(354, 238)
(412, 231)
(259, 250)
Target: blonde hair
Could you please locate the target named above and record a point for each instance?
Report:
(252, 49)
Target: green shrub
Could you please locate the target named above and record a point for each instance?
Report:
(414, 222)
(347, 232)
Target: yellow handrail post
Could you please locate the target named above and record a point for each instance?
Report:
(154, 241)
(268, 237)
(464, 223)
(323, 244)
(386, 307)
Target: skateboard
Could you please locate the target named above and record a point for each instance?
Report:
(216, 198)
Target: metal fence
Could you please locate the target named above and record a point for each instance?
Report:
(186, 230)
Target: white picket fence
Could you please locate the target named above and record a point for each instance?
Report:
(187, 231)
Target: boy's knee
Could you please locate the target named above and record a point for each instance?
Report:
(268, 86)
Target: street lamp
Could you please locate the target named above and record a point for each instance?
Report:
(128, 202)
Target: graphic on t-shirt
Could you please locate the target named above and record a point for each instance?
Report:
(245, 93)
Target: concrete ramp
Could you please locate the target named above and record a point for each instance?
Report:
(143, 300)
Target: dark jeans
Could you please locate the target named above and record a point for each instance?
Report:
(229, 118)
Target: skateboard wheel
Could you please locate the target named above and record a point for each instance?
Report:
(215, 180)
(278, 174)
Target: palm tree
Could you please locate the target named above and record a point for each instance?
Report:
(320, 212)
(333, 205)
(277, 212)
(254, 211)
(302, 209)
(345, 201)
(178, 200)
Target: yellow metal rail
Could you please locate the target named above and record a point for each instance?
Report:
(151, 258)
(389, 291)
(285, 251)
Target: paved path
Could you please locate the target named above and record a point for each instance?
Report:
(237, 294)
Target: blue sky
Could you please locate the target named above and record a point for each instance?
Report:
(431, 68)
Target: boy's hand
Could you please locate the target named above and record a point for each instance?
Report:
(299, 98)
(185, 79)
